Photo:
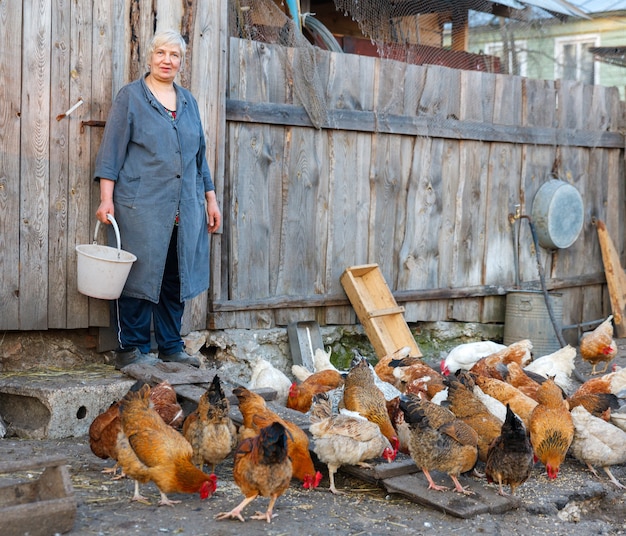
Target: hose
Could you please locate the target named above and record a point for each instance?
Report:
(542, 279)
(316, 27)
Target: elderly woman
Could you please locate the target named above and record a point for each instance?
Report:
(155, 181)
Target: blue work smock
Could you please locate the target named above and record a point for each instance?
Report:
(159, 167)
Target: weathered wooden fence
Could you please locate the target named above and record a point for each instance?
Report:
(423, 185)
(416, 168)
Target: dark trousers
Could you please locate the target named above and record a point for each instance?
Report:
(135, 315)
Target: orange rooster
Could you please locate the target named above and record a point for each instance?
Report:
(209, 429)
(301, 396)
(261, 467)
(346, 438)
(598, 346)
(150, 450)
(551, 427)
(105, 428)
(257, 415)
(361, 394)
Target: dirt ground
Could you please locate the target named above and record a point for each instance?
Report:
(576, 503)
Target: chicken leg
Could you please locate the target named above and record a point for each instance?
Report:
(431, 482)
(268, 515)
(235, 513)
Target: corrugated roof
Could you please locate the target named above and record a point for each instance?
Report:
(599, 6)
(558, 6)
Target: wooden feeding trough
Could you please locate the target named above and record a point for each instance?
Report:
(377, 310)
(36, 506)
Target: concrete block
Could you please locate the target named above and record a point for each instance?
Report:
(57, 405)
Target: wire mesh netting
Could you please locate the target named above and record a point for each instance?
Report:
(539, 39)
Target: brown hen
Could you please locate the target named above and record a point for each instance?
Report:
(551, 427)
(105, 428)
(150, 450)
(521, 404)
(257, 415)
(361, 394)
(209, 429)
(518, 352)
(468, 407)
(510, 455)
(598, 346)
(439, 441)
(261, 467)
(301, 396)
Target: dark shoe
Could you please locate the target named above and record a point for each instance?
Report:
(180, 357)
(133, 357)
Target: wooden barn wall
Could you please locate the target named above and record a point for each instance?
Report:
(422, 185)
(52, 54)
(421, 182)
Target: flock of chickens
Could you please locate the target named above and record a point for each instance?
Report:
(489, 403)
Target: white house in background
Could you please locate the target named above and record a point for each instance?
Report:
(550, 48)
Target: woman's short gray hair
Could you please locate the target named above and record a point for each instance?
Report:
(168, 37)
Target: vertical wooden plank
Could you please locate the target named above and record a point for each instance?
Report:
(11, 39)
(573, 107)
(101, 95)
(538, 110)
(471, 207)
(80, 217)
(304, 220)
(446, 168)
(348, 187)
(503, 187)
(121, 34)
(419, 255)
(598, 202)
(253, 214)
(35, 155)
(59, 257)
(209, 70)
(417, 258)
(388, 183)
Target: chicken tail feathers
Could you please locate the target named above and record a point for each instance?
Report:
(513, 426)
(215, 392)
(413, 413)
(273, 442)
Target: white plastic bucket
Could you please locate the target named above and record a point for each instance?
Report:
(102, 270)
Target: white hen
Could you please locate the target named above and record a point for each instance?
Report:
(464, 356)
(264, 374)
(559, 364)
(597, 442)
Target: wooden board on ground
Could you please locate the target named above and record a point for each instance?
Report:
(615, 278)
(39, 506)
(484, 500)
(381, 470)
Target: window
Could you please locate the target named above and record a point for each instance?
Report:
(573, 59)
(513, 62)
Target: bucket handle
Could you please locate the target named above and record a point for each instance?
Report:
(115, 228)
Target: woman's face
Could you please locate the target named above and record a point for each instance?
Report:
(165, 63)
